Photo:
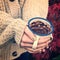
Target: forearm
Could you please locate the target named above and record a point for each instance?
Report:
(7, 34)
(15, 29)
(11, 28)
(5, 27)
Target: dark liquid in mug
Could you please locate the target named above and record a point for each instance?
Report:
(40, 27)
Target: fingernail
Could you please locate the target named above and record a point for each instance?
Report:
(47, 47)
(43, 50)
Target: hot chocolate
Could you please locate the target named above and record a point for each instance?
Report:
(40, 27)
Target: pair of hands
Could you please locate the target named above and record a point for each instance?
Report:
(28, 40)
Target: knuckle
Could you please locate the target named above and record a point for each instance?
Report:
(23, 40)
(22, 44)
(48, 41)
(30, 51)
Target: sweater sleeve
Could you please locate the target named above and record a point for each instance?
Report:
(19, 27)
(10, 28)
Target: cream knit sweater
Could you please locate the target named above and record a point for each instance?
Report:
(10, 27)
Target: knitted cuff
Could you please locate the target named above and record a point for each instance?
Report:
(19, 27)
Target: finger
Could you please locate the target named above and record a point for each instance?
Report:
(29, 33)
(36, 50)
(43, 40)
(26, 39)
(45, 44)
(30, 50)
(26, 45)
(39, 50)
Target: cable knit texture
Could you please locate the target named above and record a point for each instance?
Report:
(10, 28)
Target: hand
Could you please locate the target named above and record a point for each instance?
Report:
(27, 40)
(42, 44)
